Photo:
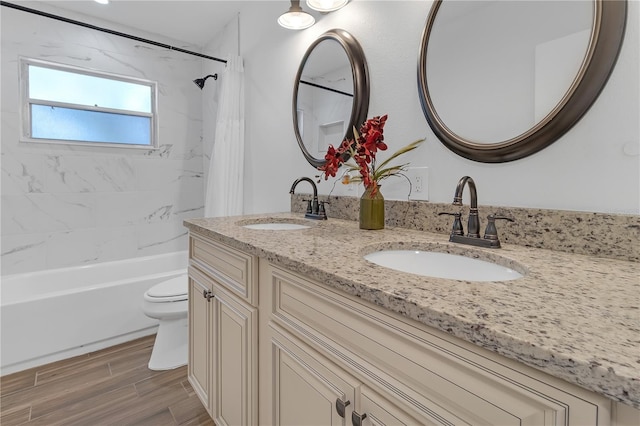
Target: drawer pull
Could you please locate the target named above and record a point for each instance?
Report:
(356, 419)
(207, 294)
(340, 406)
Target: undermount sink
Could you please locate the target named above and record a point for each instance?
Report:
(277, 226)
(442, 265)
(274, 224)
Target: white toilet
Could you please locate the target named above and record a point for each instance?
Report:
(167, 302)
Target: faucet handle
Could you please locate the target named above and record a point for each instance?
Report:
(491, 233)
(457, 223)
(309, 209)
(321, 210)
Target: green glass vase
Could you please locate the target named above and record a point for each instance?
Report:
(372, 209)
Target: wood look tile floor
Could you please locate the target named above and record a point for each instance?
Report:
(108, 387)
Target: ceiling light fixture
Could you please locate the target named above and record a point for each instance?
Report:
(102, 1)
(326, 5)
(296, 18)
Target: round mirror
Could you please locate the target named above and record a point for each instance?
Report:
(501, 80)
(330, 95)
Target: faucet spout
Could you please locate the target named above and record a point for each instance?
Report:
(314, 209)
(473, 227)
(313, 184)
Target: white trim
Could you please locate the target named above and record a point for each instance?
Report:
(26, 102)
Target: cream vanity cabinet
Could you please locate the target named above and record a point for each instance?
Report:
(318, 356)
(328, 358)
(223, 326)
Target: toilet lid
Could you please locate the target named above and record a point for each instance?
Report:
(172, 288)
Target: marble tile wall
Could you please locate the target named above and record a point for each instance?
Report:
(67, 206)
(597, 234)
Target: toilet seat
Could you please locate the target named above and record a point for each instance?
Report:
(173, 290)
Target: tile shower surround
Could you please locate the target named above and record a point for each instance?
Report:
(598, 234)
(65, 205)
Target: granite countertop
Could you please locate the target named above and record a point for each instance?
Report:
(572, 316)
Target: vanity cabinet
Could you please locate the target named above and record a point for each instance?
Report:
(329, 346)
(223, 325)
(270, 346)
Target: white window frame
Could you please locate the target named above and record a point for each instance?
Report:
(26, 102)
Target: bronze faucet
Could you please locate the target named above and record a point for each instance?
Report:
(315, 209)
(490, 239)
(473, 227)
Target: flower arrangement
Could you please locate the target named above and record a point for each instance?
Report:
(363, 150)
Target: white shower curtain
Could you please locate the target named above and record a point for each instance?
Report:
(224, 190)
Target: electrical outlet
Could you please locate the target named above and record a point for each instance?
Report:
(419, 183)
(397, 187)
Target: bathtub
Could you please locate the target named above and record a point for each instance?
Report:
(50, 315)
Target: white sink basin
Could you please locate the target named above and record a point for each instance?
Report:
(277, 226)
(442, 265)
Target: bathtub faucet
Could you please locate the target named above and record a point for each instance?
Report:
(315, 209)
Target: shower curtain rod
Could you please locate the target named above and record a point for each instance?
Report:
(108, 31)
(326, 88)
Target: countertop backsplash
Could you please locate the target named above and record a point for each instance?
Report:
(599, 234)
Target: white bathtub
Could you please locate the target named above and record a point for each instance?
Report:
(50, 315)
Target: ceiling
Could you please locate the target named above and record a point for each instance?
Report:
(194, 22)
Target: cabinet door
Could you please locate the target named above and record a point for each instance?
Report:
(376, 410)
(200, 351)
(236, 361)
(307, 391)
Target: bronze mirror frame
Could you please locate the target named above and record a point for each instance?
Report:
(360, 75)
(605, 43)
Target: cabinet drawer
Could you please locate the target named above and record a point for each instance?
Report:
(429, 372)
(236, 270)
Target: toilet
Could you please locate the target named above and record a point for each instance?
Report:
(167, 302)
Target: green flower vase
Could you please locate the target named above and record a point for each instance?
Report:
(372, 209)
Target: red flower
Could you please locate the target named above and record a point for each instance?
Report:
(363, 150)
(371, 131)
(364, 170)
(334, 161)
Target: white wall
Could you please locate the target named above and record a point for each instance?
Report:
(594, 167)
(68, 206)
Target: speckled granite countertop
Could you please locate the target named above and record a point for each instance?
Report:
(572, 316)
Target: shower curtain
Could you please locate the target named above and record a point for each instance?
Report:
(224, 189)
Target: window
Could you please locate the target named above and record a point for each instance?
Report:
(65, 104)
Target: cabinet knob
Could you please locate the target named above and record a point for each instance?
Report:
(207, 294)
(356, 419)
(340, 406)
